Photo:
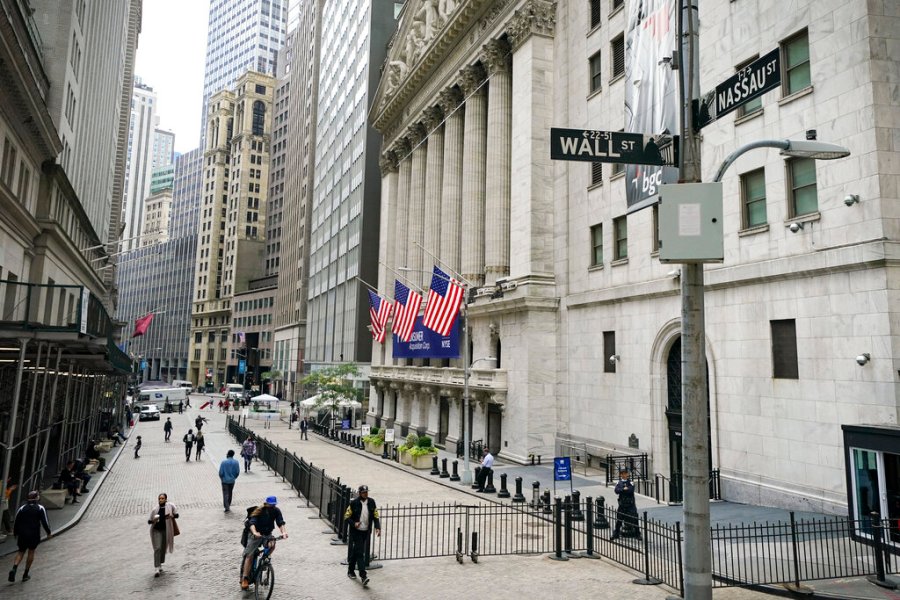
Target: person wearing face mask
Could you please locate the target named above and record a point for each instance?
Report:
(163, 530)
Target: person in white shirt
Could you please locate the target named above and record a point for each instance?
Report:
(487, 467)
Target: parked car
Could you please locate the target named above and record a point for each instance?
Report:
(149, 412)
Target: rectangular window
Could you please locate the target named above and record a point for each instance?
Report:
(654, 247)
(753, 105)
(595, 13)
(620, 231)
(802, 179)
(753, 195)
(597, 245)
(795, 58)
(595, 73)
(618, 56)
(8, 165)
(24, 183)
(784, 349)
(609, 352)
(198, 337)
(616, 5)
(596, 173)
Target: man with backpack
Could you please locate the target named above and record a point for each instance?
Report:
(362, 513)
(261, 522)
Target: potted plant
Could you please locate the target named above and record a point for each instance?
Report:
(374, 442)
(420, 455)
(412, 440)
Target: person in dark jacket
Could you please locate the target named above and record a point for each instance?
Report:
(362, 514)
(200, 442)
(167, 428)
(27, 529)
(627, 514)
(262, 522)
(188, 440)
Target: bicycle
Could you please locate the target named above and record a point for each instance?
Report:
(262, 573)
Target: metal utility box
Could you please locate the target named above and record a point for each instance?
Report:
(690, 223)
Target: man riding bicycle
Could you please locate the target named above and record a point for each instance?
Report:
(262, 523)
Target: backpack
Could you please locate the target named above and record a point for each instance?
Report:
(245, 535)
(188, 438)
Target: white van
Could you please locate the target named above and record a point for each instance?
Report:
(181, 383)
(234, 391)
(160, 396)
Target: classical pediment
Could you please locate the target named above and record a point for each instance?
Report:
(428, 29)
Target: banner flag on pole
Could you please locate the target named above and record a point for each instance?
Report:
(141, 325)
(444, 299)
(407, 302)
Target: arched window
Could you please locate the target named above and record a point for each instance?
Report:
(259, 117)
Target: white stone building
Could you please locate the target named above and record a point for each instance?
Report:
(565, 279)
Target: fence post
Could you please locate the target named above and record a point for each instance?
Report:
(879, 578)
(459, 541)
(588, 532)
(444, 473)
(646, 580)
(568, 525)
(557, 531)
(795, 549)
(474, 553)
(455, 476)
(434, 467)
(503, 493)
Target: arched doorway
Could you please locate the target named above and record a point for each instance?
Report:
(673, 419)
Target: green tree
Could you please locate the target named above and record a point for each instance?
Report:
(332, 385)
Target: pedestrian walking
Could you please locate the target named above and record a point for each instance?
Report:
(188, 440)
(30, 517)
(137, 447)
(163, 529)
(181, 407)
(304, 428)
(248, 451)
(200, 441)
(198, 423)
(487, 467)
(167, 428)
(627, 514)
(362, 515)
(229, 470)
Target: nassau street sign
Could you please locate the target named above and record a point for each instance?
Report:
(613, 147)
(751, 82)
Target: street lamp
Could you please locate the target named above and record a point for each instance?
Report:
(793, 148)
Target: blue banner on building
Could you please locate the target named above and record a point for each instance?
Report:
(242, 366)
(425, 343)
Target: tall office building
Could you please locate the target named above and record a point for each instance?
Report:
(139, 161)
(232, 221)
(242, 35)
(346, 194)
(294, 178)
(162, 178)
(187, 192)
(163, 148)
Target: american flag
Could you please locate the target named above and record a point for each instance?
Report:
(444, 298)
(379, 311)
(407, 302)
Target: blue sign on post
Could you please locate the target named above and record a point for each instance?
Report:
(143, 365)
(562, 468)
(242, 366)
(345, 423)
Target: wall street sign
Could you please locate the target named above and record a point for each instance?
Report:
(613, 147)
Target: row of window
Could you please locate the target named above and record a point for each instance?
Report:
(783, 340)
(802, 199)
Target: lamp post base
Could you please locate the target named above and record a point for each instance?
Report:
(467, 477)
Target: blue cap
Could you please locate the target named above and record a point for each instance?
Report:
(272, 500)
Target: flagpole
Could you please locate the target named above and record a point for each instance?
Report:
(406, 279)
(368, 285)
(458, 277)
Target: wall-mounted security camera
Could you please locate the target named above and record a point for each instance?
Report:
(795, 227)
(613, 359)
(863, 358)
(851, 199)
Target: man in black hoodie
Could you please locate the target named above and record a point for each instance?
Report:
(27, 529)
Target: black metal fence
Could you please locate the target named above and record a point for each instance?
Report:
(742, 555)
(327, 494)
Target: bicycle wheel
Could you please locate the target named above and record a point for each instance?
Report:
(265, 582)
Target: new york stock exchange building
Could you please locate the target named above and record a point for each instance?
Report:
(573, 322)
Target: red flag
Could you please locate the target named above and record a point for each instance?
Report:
(141, 325)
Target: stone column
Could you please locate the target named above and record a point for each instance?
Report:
(434, 175)
(479, 417)
(400, 241)
(473, 174)
(454, 424)
(434, 415)
(390, 395)
(531, 236)
(389, 180)
(451, 191)
(497, 60)
(416, 224)
(373, 400)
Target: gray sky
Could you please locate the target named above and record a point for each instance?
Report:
(170, 59)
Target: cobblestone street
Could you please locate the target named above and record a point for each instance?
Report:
(108, 553)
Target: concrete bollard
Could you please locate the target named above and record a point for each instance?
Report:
(455, 475)
(546, 502)
(434, 467)
(503, 493)
(444, 473)
(477, 478)
(600, 520)
(577, 514)
(536, 495)
(518, 497)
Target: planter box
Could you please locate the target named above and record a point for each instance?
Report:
(405, 458)
(377, 449)
(421, 462)
(367, 446)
